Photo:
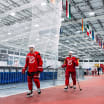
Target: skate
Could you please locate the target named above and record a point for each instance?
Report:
(39, 91)
(30, 93)
(66, 88)
(70, 86)
(74, 87)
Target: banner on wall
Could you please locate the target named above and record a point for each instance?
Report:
(96, 65)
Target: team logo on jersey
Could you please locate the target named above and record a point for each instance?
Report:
(31, 59)
(69, 62)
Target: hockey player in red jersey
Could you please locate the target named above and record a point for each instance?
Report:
(34, 67)
(70, 63)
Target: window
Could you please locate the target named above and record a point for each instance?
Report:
(23, 54)
(3, 51)
(90, 60)
(16, 53)
(96, 60)
(101, 60)
(85, 60)
(22, 61)
(3, 57)
(10, 52)
(80, 60)
(10, 60)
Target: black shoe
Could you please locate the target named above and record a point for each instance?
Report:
(39, 91)
(66, 88)
(74, 87)
(71, 86)
(30, 93)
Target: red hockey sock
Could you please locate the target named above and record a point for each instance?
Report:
(73, 74)
(30, 84)
(37, 82)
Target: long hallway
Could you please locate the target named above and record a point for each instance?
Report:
(92, 93)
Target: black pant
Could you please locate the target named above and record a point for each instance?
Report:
(98, 71)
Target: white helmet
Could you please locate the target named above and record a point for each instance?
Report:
(71, 52)
(31, 46)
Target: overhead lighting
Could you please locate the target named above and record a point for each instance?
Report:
(36, 25)
(12, 14)
(91, 13)
(37, 39)
(9, 33)
(43, 4)
(78, 31)
(75, 44)
(67, 40)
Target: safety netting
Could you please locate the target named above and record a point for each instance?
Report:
(45, 29)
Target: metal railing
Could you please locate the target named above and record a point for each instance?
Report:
(12, 76)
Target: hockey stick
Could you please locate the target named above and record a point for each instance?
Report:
(38, 71)
(78, 82)
(79, 86)
(46, 67)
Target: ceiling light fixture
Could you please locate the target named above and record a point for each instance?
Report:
(78, 31)
(36, 25)
(37, 39)
(91, 13)
(12, 14)
(43, 4)
(9, 33)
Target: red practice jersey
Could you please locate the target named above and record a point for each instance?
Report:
(70, 63)
(33, 62)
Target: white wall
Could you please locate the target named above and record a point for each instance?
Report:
(3, 63)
